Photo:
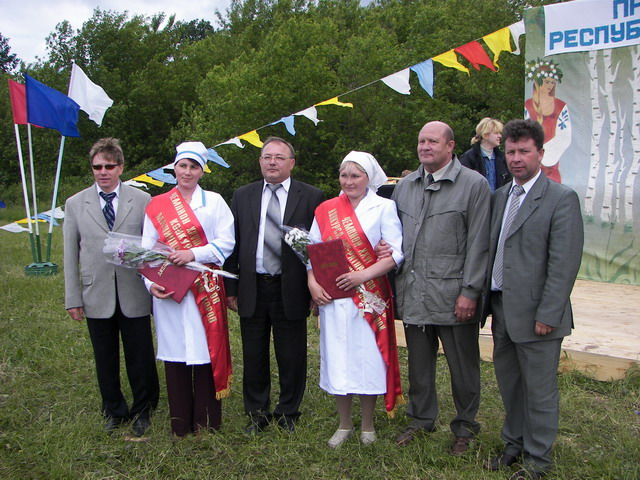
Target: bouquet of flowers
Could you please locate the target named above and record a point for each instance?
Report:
(297, 239)
(128, 251)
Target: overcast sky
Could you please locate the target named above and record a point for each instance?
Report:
(26, 23)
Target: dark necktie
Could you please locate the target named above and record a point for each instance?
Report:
(511, 214)
(109, 212)
(272, 234)
(429, 179)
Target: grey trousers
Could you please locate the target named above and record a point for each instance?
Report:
(460, 345)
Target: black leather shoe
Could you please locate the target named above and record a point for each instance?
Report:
(501, 461)
(287, 424)
(406, 436)
(112, 424)
(140, 426)
(256, 427)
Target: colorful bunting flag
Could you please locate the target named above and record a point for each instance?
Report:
(424, 70)
(289, 123)
(162, 176)
(214, 157)
(476, 55)
(91, 97)
(399, 81)
(252, 137)
(334, 101)
(498, 41)
(450, 60)
(232, 141)
(51, 109)
(147, 179)
(18, 102)
(311, 113)
(517, 30)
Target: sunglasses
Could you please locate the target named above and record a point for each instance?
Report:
(108, 166)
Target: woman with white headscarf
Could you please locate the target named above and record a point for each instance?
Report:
(358, 353)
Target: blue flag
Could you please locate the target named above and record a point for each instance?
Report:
(49, 108)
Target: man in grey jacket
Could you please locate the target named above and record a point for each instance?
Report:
(114, 300)
(444, 209)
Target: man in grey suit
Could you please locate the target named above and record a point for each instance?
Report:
(114, 300)
(536, 248)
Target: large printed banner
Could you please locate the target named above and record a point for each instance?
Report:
(589, 106)
(584, 25)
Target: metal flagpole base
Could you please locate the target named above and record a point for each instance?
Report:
(41, 269)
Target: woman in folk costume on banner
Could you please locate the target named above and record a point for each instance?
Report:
(550, 112)
(358, 352)
(193, 338)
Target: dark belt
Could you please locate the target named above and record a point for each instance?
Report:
(266, 278)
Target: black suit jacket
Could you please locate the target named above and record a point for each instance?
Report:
(472, 159)
(302, 201)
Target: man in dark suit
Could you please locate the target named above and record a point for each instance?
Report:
(271, 293)
(114, 300)
(536, 248)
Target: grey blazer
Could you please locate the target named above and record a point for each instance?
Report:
(542, 256)
(89, 280)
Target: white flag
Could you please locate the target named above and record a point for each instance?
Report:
(91, 97)
(399, 81)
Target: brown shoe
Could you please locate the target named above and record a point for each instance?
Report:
(460, 445)
(406, 437)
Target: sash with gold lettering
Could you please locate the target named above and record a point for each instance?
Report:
(337, 219)
(178, 227)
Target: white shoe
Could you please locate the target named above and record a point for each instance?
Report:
(368, 438)
(339, 437)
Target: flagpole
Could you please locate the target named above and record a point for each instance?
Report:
(33, 188)
(25, 192)
(55, 194)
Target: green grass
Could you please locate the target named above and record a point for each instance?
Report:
(50, 426)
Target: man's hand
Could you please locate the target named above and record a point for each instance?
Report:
(465, 309)
(77, 313)
(159, 291)
(383, 249)
(232, 303)
(543, 328)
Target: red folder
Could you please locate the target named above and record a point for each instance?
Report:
(172, 278)
(329, 261)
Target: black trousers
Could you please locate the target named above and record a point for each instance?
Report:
(290, 345)
(139, 357)
(192, 398)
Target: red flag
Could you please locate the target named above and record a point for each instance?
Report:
(476, 55)
(18, 102)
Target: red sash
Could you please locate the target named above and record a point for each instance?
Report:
(178, 227)
(337, 219)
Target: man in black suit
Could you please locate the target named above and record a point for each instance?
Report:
(271, 293)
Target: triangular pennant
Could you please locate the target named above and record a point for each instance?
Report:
(498, 41)
(232, 141)
(311, 113)
(160, 175)
(147, 179)
(450, 60)
(476, 55)
(289, 122)
(517, 30)
(424, 70)
(214, 157)
(252, 137)
(399, 81)
(334, 101)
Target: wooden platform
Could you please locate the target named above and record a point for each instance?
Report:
(606, 340)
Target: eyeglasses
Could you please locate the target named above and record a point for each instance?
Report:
(108, 166)
(278, 158)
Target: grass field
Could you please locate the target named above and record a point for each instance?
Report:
(50, 426)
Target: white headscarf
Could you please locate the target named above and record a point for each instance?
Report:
(195, 151)
(367, 161)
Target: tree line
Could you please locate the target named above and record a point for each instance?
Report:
(174, 81)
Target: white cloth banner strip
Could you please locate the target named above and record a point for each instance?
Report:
(591, 25)
(399, 81)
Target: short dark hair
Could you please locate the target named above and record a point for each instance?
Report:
(109, 148)
(516, 130)
(279, 140)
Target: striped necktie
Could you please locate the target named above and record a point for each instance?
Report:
(511, 214)
(272, 235)
(109, 212)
